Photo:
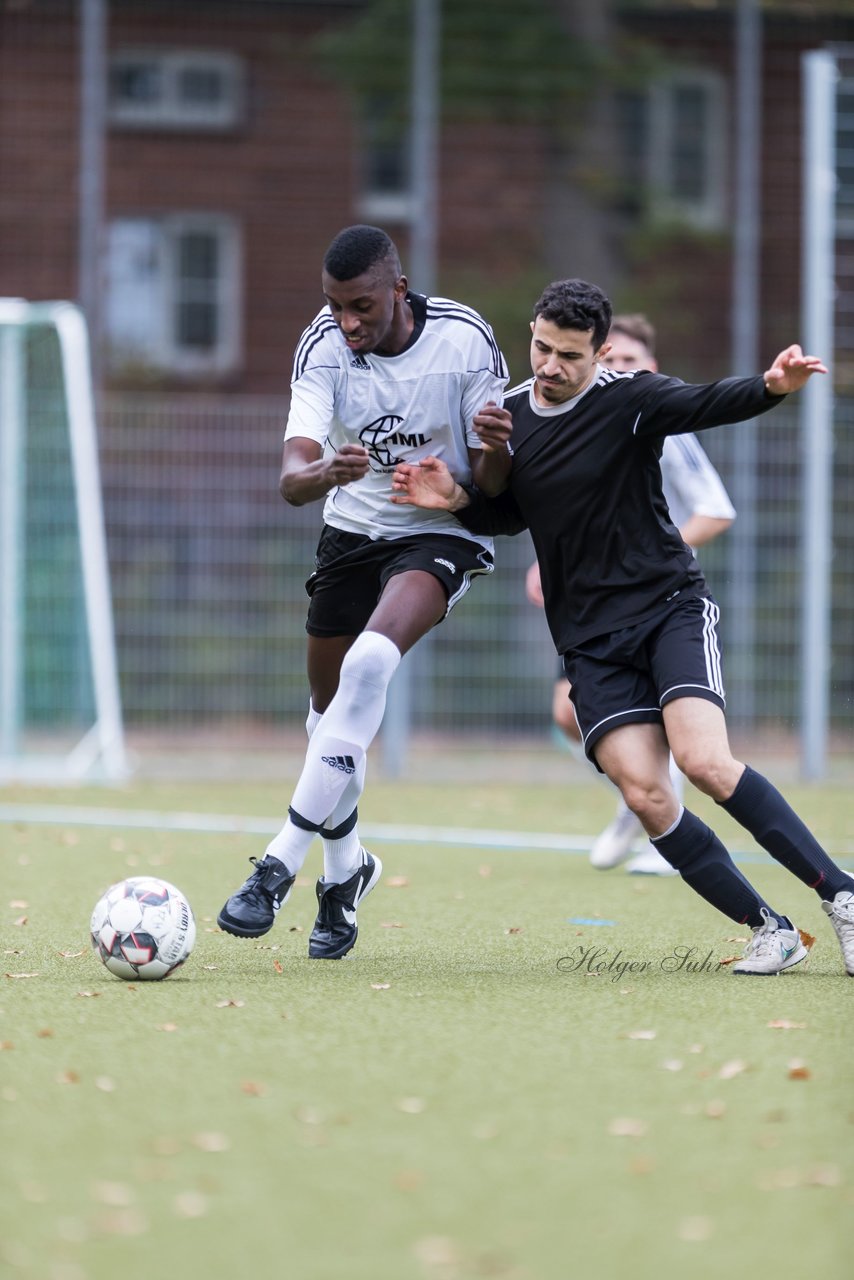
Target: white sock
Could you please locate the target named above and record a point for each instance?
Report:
(334, 766)
(342, 857)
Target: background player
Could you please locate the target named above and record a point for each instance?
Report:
(381, 376)
(701, 510)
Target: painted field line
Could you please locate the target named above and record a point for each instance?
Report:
(388, 833)
(221, 823)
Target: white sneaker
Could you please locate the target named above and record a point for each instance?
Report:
(614, 845)
(650, 863)
(772, 948)
(840, 912)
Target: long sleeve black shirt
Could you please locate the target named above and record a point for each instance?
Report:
(586, 481)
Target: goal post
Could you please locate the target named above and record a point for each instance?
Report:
(60, 709)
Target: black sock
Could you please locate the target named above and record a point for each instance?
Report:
(773, 823)
(703, 863)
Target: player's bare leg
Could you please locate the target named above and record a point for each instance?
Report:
(636, 758)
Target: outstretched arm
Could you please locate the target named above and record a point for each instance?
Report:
(790, 371)
(427, 484)
(431, 485)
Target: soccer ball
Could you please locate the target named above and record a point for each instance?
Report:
(142, 928)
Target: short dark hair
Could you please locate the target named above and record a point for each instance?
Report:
(356, 250)
(575, 304)
(637, 327)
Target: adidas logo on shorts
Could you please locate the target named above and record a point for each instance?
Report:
(447, 563)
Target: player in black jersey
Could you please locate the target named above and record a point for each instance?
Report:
(627, 604)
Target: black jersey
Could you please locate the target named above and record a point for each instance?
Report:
(586, 481)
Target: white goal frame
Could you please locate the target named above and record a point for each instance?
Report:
(100, 753)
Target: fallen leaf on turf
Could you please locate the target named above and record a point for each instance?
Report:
(408, 1179)
(167, 1026)
(253, 1089)
(391, 924)
(296, 928)
(278, 966)
(116, 1194)
(626, 1127)
(641, 1035)
(729, 959)
(5, 1044)
(514, 929)
(17, 952)
(70, 955)
(87, 995)
(823, 1175)
(672, 1064)
(22, 920)
(696, 1048)
(783, 1024)
(190, 1204)
(397, 882)
(230, 1004)
(211, 1141)
(641, 1164)
(44, 1033)
(729, 1070)
(380, 986)
(22, 975)
(736, 939)
(798, 1070)
(68, 1077)
(105, 1084)
(715, 1109)
(807, 939)
(411, 1106)
(695, 1230)
(484, 872)
(309, 1115)
(123, 1222)
(209, 968)
(18, 904)
(438, 1256)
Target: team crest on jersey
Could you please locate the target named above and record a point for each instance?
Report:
(384, 435)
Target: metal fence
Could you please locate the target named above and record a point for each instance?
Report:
(208, 569)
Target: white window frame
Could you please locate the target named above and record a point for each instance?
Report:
(708, 211)
(164, 352)
(170, 110)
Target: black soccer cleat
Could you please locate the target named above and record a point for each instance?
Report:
(251, 911)
(335, 929)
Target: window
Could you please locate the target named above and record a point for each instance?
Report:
(845, 156)
(173, 296)
(386, 193)
(175, 89)
(674, 138)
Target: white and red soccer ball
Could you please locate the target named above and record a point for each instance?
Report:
(142, 929)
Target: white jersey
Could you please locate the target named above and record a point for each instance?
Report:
(692, 486)
(402, 408)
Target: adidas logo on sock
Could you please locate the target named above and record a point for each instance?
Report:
(345, 763)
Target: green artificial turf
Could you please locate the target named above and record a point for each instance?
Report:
(473, 1093)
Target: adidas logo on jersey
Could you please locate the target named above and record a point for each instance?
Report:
(446, 563)
(345, 763)
(359, 362)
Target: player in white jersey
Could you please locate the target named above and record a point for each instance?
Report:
(701, 509)
(381, 376)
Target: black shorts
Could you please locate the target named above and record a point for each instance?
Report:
(352, 570)
(628, 676)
